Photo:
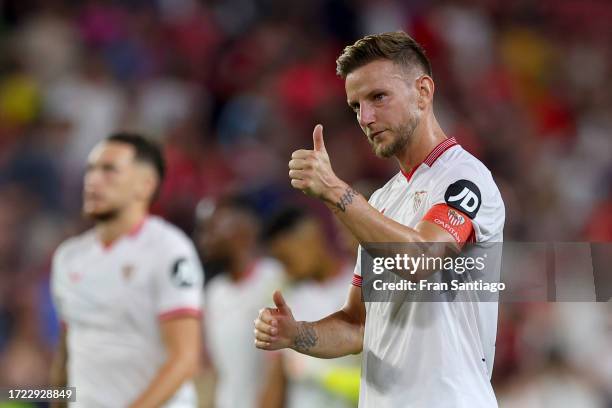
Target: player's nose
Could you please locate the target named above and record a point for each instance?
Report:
(366, 115)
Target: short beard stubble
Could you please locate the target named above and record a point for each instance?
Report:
(404, 135)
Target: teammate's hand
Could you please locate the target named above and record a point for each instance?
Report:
(310, 170)
(275, 328)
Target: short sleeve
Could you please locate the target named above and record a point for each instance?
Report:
(466, 202)
(357, 278)
(459, 187)
(179, 281)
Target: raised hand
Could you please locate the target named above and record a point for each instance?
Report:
(275, 328)
(310, 170)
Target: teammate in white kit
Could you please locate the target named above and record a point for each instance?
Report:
(128, 291)
(228, 239)
(415, 354)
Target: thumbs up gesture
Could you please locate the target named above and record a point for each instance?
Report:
(275, 328)
(317, 139)
(310, 170)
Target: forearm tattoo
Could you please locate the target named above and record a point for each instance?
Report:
(346, 199)
(306, 338)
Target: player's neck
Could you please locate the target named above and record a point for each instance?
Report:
(426, 137)
(242, 265)
(124, 223)
(330, 268)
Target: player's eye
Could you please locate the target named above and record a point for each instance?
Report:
(379, 97)
(355, 108)
(108, 168)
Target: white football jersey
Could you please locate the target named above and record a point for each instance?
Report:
(434, 354)
(112, 299)
(231, 307)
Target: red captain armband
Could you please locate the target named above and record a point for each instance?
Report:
(452, 221)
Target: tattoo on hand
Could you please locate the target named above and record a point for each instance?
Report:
(346, 199)
(306, 337)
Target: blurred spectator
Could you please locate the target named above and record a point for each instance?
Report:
(48, 42)
(92, 103)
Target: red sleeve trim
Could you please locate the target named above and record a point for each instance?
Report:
(453, 221)
(357, 280)
(181, 312)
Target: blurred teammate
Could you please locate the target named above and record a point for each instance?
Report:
(318, 288)
(415, 354)
(227, 237)
(128, 291)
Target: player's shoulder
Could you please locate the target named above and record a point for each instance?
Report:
(265, 275)
(217, 286)
(262, 270)
(269, 274)
(165, 235)
(459, 159)
(459, 164)
(75, 246)
(466, 184)
(269, 267)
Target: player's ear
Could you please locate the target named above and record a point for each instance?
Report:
(425, 89)
(146, 182)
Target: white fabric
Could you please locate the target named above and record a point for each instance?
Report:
(231, 308)
(111, 300)
(432, 354)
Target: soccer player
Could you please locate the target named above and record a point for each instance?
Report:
(228, 238)
(415, 354)
(128, 291)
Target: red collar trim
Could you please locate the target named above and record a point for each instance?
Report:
(250, 269)
(432, 156)
(131, 233)
(137, 228)
(248, 272)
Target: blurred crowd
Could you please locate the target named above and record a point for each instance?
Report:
(230, 88)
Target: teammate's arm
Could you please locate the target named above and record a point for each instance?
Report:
(272, 394)
(59, 374)
(181, 337)
(336, 335)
